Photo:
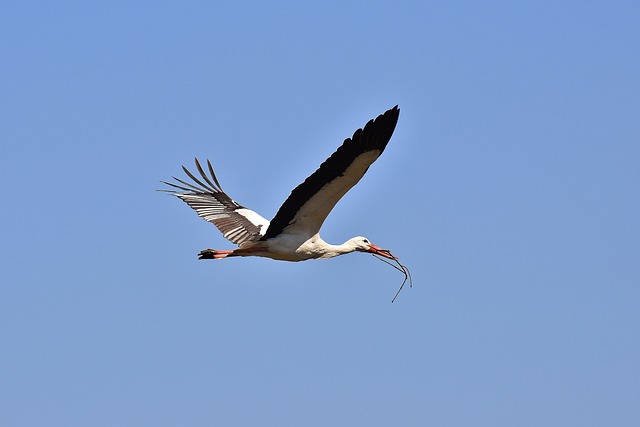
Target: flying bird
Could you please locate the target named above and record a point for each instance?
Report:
(294, 232)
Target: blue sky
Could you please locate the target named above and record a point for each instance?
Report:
(510, 189)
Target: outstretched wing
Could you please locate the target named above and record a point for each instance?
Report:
(237, 223)
(309, 204)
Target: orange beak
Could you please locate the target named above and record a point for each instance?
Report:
(376, 250)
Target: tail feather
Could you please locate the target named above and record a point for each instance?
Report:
(214, 254)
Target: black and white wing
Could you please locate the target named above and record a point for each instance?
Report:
(309, 204)
(237, 223)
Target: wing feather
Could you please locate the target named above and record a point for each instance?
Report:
(309, 204)
(237, 223)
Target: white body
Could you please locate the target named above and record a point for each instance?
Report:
(290, 247)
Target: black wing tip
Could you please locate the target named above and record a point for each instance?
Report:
(395, 111)
(392, 114)
(169, 191)
(209, 186)
(375, 135)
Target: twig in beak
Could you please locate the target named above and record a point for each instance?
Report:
(402, 268)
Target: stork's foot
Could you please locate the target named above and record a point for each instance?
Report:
(214, 254)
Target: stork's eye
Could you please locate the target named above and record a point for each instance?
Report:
(365, 240)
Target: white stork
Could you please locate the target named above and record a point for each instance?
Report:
(294, 233)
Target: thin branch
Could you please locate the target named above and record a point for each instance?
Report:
(401, 268)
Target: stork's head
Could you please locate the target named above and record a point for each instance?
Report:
(362, 244)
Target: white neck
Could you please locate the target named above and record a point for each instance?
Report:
(327, 250)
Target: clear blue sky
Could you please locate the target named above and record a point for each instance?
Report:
(510, 188)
